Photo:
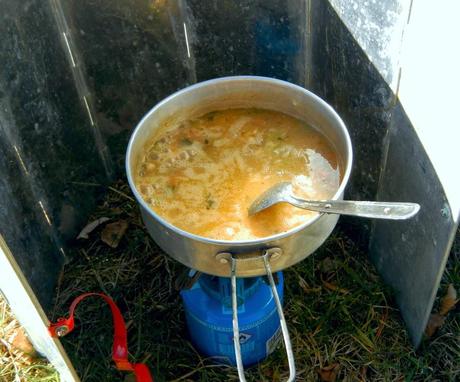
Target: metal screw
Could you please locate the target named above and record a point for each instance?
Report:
(62, 330)
(445, 212)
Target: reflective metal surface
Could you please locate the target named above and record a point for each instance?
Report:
(266, 257)
(411, 255)
(76, 75)
(378, 27)
(282, 192)
(232, 92)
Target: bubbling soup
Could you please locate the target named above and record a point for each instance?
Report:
(202, 175)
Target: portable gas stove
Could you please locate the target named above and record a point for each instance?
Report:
(208, 311)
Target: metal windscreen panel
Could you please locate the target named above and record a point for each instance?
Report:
(411, 255)
(47, 145)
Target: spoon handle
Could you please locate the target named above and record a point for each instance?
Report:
(376, 210)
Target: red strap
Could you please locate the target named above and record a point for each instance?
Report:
(120, 339)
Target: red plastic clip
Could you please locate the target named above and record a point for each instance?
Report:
(120, 339)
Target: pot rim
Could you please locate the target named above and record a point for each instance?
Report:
(242, 243)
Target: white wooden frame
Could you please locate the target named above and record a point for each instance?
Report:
(30, 314)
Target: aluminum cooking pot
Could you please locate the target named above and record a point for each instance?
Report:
(214, 256)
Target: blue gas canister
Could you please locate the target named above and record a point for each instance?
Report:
(208, 313)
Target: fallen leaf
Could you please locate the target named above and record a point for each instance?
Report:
(113, 232)
(329, 373)
(334, 287)
(18, 340)
(90, 227)
(434, 323)
(449, 301)
(328, 265)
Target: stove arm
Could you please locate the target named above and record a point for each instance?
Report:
(236, 332)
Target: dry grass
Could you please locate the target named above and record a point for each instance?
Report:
(17, 365)
(339, 314)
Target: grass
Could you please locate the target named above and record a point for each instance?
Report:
(340, 314)
(16, 365)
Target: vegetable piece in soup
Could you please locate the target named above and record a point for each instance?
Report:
(202, 175)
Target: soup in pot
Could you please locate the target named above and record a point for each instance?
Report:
(202, 175)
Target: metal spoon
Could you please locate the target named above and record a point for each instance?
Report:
(282, 192)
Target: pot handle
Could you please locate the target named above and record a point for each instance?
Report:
(236, 331)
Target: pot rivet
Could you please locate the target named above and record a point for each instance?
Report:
(275, 256)
(274, 253)
(223, 257)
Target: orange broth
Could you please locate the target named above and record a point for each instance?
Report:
(202, 174)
